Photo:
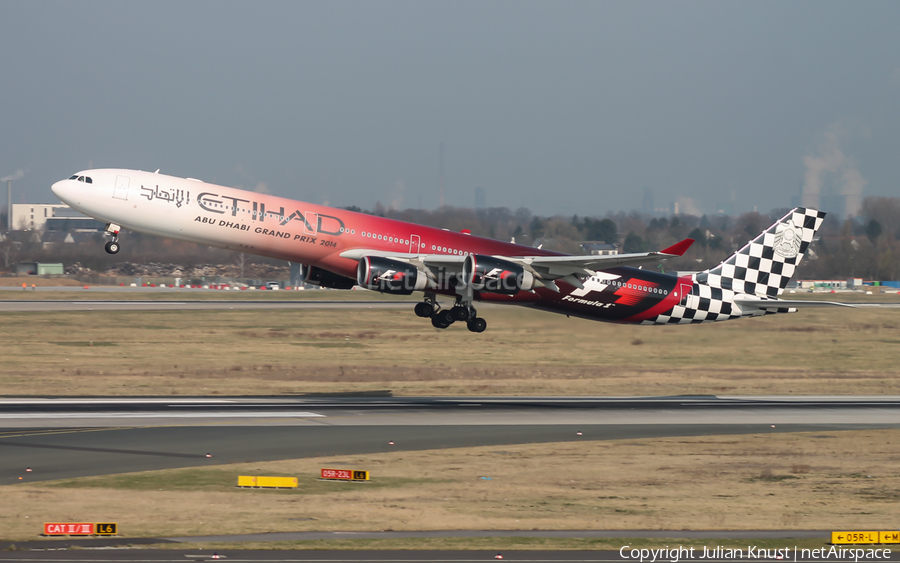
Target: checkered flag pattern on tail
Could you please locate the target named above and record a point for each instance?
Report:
(764, 265)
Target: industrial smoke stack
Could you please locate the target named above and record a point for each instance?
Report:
(9, 206)
(441, 172)
(832, 164)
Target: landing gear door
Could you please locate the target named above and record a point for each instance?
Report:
(120, 191)
(414, 243)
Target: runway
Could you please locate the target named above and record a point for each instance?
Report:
(64, 438)
(52, 305)
(384, 410)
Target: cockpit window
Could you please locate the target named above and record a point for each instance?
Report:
(74, 177)
(88, 180)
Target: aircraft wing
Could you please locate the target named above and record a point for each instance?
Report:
(750, 301)
(552, 267)
(544, 268)
(549, 266)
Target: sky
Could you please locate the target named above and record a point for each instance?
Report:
(563, 107)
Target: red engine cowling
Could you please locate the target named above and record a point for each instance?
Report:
(390, 276)
(493, 275)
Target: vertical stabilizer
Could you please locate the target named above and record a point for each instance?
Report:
(764, 265)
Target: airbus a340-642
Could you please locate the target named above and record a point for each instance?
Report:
(340, 249)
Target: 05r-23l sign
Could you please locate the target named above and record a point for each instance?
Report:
(345, 474)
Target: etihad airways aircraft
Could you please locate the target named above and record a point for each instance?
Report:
(340, 249)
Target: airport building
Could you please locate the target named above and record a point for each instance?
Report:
(51, 217)
(596, 248)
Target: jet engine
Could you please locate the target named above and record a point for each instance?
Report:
(493, 275)
(324, 278)
(390, 276)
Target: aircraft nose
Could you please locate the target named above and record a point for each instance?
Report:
(61, 190)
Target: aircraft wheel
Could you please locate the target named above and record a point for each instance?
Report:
(424, 309)
(460, 313)
(477, 324)
(445, 316)
(438, 322)
(112, 247)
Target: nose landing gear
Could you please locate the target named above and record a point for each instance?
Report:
(112, 247)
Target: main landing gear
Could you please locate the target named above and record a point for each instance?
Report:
(112, 246)
(443, 318)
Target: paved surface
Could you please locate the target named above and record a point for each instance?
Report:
(166, 556)
(10, 306)
(602, 534)
(443, 411)
(61, 438)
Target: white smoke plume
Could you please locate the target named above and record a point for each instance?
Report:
(18, 174)
(397, 195)
(687, 206)
(831, 161)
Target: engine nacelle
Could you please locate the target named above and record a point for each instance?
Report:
(493, 275)
(390, 276)
(324, 278)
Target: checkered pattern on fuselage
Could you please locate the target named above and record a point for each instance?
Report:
(761, 268)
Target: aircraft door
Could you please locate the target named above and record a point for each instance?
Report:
(311, 223)
(689, 297)
(120, 191)
(414, 242)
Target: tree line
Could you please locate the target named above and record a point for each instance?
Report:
(867, 246)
